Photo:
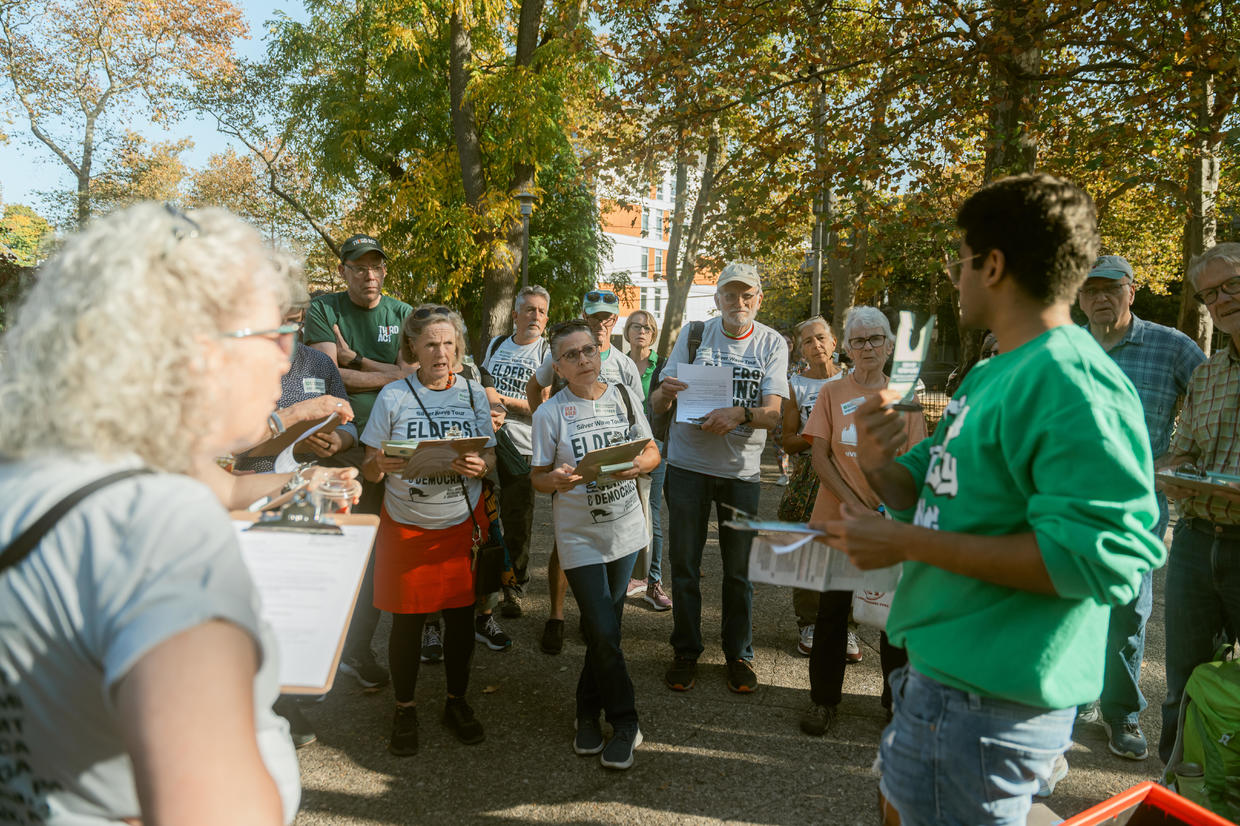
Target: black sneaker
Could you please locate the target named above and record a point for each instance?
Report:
(366, 671)
(589, 738)
(510, 606)
(1126, 740)
(404, 742)
(459, 717)
(299, 727)
(618, 754)
(742, 679)
(432, 643)
(487, 630)
(552, 641)
(682, 674)
(817, 720)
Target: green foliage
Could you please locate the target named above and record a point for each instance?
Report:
(26, 234)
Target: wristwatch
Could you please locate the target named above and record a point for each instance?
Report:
(356, 362)
(748, 415)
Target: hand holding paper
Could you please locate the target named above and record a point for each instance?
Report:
(707, 389)
(869, 540)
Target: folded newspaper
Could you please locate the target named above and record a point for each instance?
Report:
(793, 554)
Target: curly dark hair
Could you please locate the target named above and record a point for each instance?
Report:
(1046, 228)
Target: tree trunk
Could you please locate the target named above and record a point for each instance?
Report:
(843, 284)
(1201, 222)
(678, 284)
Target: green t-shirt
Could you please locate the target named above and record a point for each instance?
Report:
(1050, 439)
(375, 334)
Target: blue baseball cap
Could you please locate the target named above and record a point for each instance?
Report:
(1111, 266)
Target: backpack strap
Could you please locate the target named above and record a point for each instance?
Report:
(628, 403)
(493, 346)
(696, 330)
(21, 547)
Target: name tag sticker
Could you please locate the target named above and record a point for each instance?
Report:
(849, 406)
(312, 385)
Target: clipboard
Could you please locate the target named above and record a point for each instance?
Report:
(308, 585)
(435, 455)
(590, 465)
(1214, 484)
(276, 444)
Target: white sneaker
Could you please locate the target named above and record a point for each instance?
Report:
(852, 652)
(1059, 770)
(782, 481)
(805, 645)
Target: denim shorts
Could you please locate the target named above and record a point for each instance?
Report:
(950, 757)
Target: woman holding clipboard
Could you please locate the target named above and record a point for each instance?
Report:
(599, 528)
(426, 529)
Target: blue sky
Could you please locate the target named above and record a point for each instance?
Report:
(28, 167)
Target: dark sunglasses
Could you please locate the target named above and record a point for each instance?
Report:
(427, 312)
(605, 296)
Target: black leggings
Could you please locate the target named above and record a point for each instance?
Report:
(826, 663)
(405, 650)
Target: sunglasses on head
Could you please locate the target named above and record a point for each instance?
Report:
(427, 312)
(605, 296)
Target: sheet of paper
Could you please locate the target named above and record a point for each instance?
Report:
(307, 584)
(710, 388)
(912, 345)
(795, 560)
(285, 463)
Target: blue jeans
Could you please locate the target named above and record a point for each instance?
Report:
(689, 498)
(1122, 700)
(604, 684)
(949, 757)
(1202, 602)
(656, 518)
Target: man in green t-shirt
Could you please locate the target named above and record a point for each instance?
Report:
(1020, 522)
(360, 329)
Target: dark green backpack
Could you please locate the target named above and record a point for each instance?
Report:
(1209, 737)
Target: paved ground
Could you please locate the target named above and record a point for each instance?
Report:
(710, 756)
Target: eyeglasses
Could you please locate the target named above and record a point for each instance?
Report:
(277, 334)
(605, 296)
(1112, 289)
(739, 298)
(179, 232)
(873, 342)
(1207, 297)
(645, 328)
(588, 352)
(377, 269)
(427, 312)
(952, 268)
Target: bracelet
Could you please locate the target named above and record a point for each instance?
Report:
(355, 363)
(274, 423)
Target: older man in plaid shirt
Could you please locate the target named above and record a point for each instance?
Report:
(1159, 361)
(1203, 575)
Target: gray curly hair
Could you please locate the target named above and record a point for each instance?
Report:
(106, 356)
(423, 316)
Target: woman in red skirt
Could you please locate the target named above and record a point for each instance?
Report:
(424, 547)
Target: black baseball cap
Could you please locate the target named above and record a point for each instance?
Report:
(358, 245)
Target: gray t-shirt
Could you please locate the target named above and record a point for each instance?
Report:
(615, 368)
(759, 363)
(593, 524)
(462, 410)
(129, 567)
(806, 391)
(511, 365)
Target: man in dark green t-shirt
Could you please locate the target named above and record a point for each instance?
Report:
(360, 329)
(1019, 523)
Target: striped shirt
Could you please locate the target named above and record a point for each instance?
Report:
(1158, 361)
(1208, 434)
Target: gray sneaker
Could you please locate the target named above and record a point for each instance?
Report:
(618, 753)
(1059, 770)
(1126, 740)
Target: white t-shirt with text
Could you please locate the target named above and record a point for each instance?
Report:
(511, 365)
(593, 524)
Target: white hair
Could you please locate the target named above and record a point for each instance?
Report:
(866, 317)
(106, 352)
(526, 292)
(1228, 251)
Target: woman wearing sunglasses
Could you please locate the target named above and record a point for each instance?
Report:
(423, 552)
(599, 529)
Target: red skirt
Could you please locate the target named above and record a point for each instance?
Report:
(421, 570)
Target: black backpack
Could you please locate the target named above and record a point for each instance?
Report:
(661, 423)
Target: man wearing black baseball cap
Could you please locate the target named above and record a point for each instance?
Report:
(360, 329)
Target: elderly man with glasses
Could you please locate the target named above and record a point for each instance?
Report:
(1159, 361)
(1203, 574)
(719, 462)
(360, 329)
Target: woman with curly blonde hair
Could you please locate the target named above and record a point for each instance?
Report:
(134, 656)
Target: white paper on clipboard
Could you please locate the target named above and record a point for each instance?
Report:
(710, 388)
(797, 560)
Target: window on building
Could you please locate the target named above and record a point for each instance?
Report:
(658, 224)
(645, 298)
(645, 221)
(658, 301)
(645, 262)
(658, 264)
